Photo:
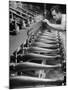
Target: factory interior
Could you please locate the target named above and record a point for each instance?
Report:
(36, 54)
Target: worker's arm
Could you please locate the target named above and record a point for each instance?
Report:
(61, 26)
(57, 26)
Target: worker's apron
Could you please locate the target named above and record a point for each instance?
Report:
(63, 39)
(62, 36)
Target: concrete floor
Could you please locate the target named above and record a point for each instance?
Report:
(16, 40)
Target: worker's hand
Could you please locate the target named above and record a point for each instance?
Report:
(46, 21)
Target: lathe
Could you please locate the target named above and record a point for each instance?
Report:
(41, 62)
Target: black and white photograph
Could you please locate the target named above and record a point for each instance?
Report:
(37, 44)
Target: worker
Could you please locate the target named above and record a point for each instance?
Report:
(59, 24)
